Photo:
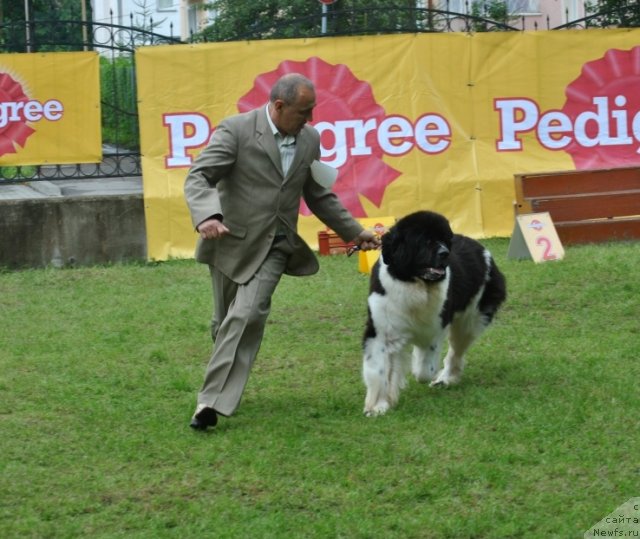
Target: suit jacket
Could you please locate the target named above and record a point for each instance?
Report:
(239, 176)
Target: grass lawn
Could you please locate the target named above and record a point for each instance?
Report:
(99, 369)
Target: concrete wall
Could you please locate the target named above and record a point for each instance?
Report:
(72, 231)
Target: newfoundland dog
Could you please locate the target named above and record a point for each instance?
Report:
(428, 284)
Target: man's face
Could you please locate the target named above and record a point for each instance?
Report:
(290, 118)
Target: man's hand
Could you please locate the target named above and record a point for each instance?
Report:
(367, 240)
(211, 229)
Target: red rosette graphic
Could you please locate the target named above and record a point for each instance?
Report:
(340, 97)
(12, 132)
(606, 90)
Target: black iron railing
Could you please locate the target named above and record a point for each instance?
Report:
(116, 45)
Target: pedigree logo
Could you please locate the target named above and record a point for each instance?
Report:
(355, 131)
(599, 124)
(18, 112)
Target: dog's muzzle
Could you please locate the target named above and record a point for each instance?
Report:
(438, 271)
(433, 274)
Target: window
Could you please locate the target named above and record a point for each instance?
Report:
(572, 10)
(192, 19)
(514, 7)
(164, 4)
(521, 7)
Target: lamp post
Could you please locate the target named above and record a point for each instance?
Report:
(325, 3)
(83, 9)
(27, 25)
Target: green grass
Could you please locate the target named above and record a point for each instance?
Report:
(99, 369)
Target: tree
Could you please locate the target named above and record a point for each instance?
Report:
(14, 10)
(261, 19)
(144, 17)
(486, 13)
(49, 27)
(620, 13)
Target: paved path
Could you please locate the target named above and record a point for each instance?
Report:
(120, 185)
(67, 188)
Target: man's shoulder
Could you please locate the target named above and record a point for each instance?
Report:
(242, 118)
(310, 132)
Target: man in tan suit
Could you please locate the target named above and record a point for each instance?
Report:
(243, 192)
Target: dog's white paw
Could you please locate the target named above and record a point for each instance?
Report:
(425, 373)
(445, 379)
(379, 408)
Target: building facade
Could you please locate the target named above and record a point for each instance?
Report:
(176, 18)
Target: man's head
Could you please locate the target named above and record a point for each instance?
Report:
(292, 100)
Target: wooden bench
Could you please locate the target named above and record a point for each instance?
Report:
(586, 206)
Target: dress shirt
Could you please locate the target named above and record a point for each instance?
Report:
(287, 148)
(286, 144)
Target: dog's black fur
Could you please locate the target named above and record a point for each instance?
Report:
(429, 282)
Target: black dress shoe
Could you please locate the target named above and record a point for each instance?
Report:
(203, 418)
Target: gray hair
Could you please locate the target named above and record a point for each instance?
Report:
(286, 87)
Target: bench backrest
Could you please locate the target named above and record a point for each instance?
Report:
(607, 200)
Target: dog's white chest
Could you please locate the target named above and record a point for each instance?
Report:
(408, 311)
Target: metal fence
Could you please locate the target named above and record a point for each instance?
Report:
(116, 45)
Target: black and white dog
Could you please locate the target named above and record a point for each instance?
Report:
(429, 283)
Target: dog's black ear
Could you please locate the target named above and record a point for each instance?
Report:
(388, 245)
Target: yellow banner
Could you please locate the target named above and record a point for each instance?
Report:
(427, 121)
(50, 108)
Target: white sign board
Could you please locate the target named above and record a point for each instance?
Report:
(535, 236)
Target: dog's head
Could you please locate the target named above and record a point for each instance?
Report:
(417, 247)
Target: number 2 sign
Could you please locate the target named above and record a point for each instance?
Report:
(535, 236)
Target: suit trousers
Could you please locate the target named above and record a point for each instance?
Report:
(240, 317)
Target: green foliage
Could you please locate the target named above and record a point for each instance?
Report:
(300, 18)
(99, 369)
(621, 13)
(493, 10)
(10, 173)
(13, 10)
(119, 105)
(49, 34)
